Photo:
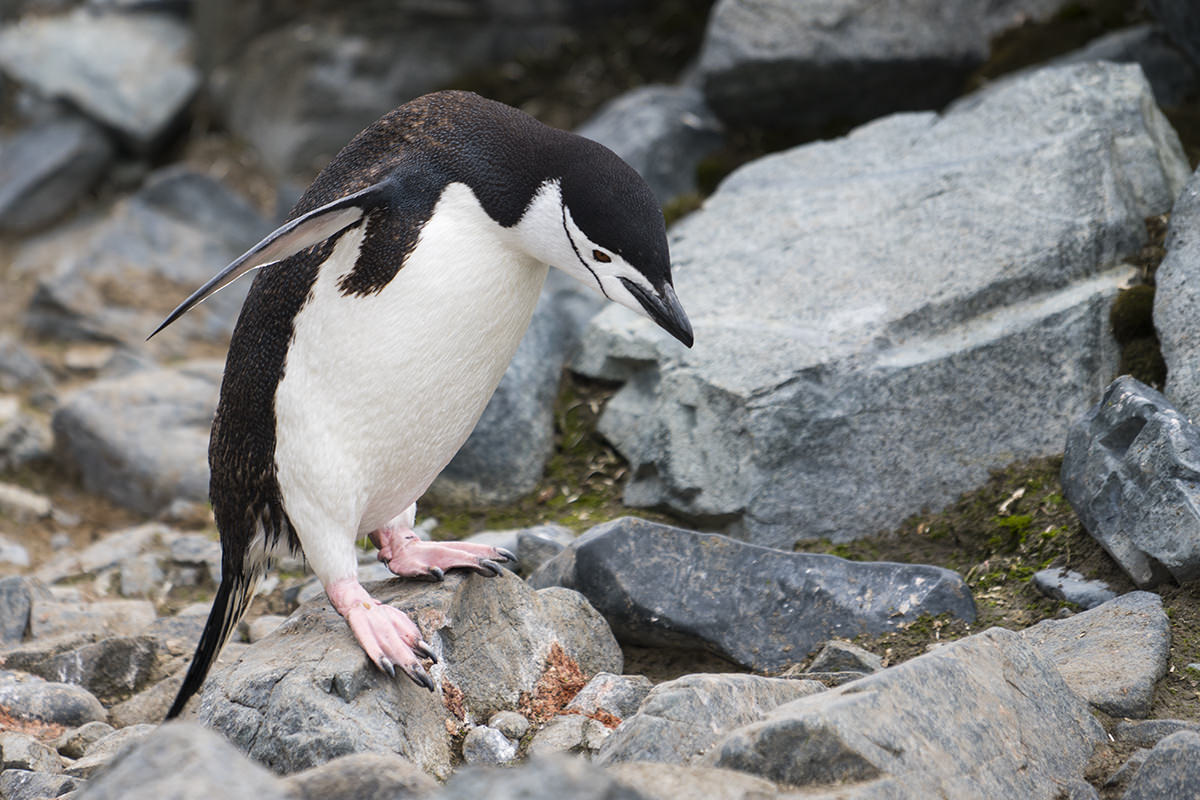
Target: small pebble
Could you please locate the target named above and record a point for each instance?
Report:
(75, 742)
(510, 723)
(484, 745)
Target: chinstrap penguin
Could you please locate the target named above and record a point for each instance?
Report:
(389, 307)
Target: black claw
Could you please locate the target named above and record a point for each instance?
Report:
(387, 666)
(422, 649)
(419, 676)
(436, 574)
(506, 554)
(488, 568)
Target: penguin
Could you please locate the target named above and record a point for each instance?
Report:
(383, 314)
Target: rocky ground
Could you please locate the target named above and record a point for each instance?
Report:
(894, 527)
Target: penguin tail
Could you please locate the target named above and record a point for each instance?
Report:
(233, 597)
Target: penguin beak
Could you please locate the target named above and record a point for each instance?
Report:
(663, 307)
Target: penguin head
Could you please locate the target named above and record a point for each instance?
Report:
(599, 222)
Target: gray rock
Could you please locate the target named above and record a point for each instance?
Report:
(680, 720)
(619, 695)
(1177, 300)
(261, 626)
(544, 778)
(141, 576)
(20, 784)
(513, 725)
(568, 733)
(1122, 775)
(506, 454)
(672, 781)
(1171, 75)
(774, 62)
(13, 553)
(21, 751)
(658, 585)
(1078, 789)
(24, 438)
(150, 705)
(129, 72)
(55, 703)
(1068, 585)
(47, 168)
(103, 751)
(985, 716)
(19, 368)
(102, 618)
(486, 745)
(1178, 18)
(1172, 770)
(838, 656)
(23, 505)
(494, 638)
(183, 761)
(539, 544)
(870, 395)
(109, 551)
(1130, 472)
(362, 776)
(661, 131)
(1148, 732)
(75, 742)
(141, 440)
(111, 669)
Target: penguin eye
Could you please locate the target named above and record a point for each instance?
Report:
(601, 256)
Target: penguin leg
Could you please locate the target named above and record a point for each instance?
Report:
(386, 634)
(409, 557)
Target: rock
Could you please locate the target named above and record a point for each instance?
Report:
(129, 72)
(1130, 472)
(142, 576)
(486, 745)
(513, 725)
(663, 132)
(141, 440)
(362, 776)
(1120, 778)
(104, 750)
(21, 369)
(111, 669)
(1171, 75)
(47, 168)
(838, 656)
(1171, 770)
(658, 585)
(183, 761)
(671, 781)
(539, 544)
(984, 716)
(103, 618)
(24, 438)
(21, 751)
(260, 627)
(17, 594)
(150, 705)
(13, 553)
(54, 703)
(506, 454)
(112, 279)
(495, 639)
(1149, 732)
(568, 733)
(75, 742)
(806, 65)
(544, 778)
(680, 720)
(20, 784)
(109, 551)
(24, 505)
(618, 695)
(871, 396)
(1177, 299)
(1178, 19)
(1068, 585)
(827, 678)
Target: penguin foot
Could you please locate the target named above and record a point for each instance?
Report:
(409, 557)
(389, 638)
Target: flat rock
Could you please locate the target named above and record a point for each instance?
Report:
(107, 552)
(362, 776)
(985, 717)
(21, 751)
(1072, 587)
(494, 638)
(142, 440)
(112, 669)
(764, 609)
(543, 778)
(103, 618)
(1111, 656)
(872, 396)
(1177, 300)
(131, 73)
(47, 168)
(1131, 473)
(183, 761)
(805, 65)
(22, 784)
(1172, 770)
(1149, 732)
(618, 695)
(64, 704)
(680, 720)
(672, 781)
(568, 733)
(104, 750)
(663, 132)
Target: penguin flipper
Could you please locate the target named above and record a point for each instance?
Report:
(288, 239)
(229, 605)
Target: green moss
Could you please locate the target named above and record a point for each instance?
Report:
(1132, 313)
(1143, 359)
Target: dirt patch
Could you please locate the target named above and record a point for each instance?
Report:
(42, 731)
(560, 682)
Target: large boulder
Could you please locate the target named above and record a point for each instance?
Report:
(883, 319)
(307, 693)
(764, 609)
(1132, 473)
(1177, 301)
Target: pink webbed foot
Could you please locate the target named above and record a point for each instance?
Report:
(409, 557)
(386, 634)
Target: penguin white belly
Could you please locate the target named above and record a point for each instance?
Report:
(379, 391)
